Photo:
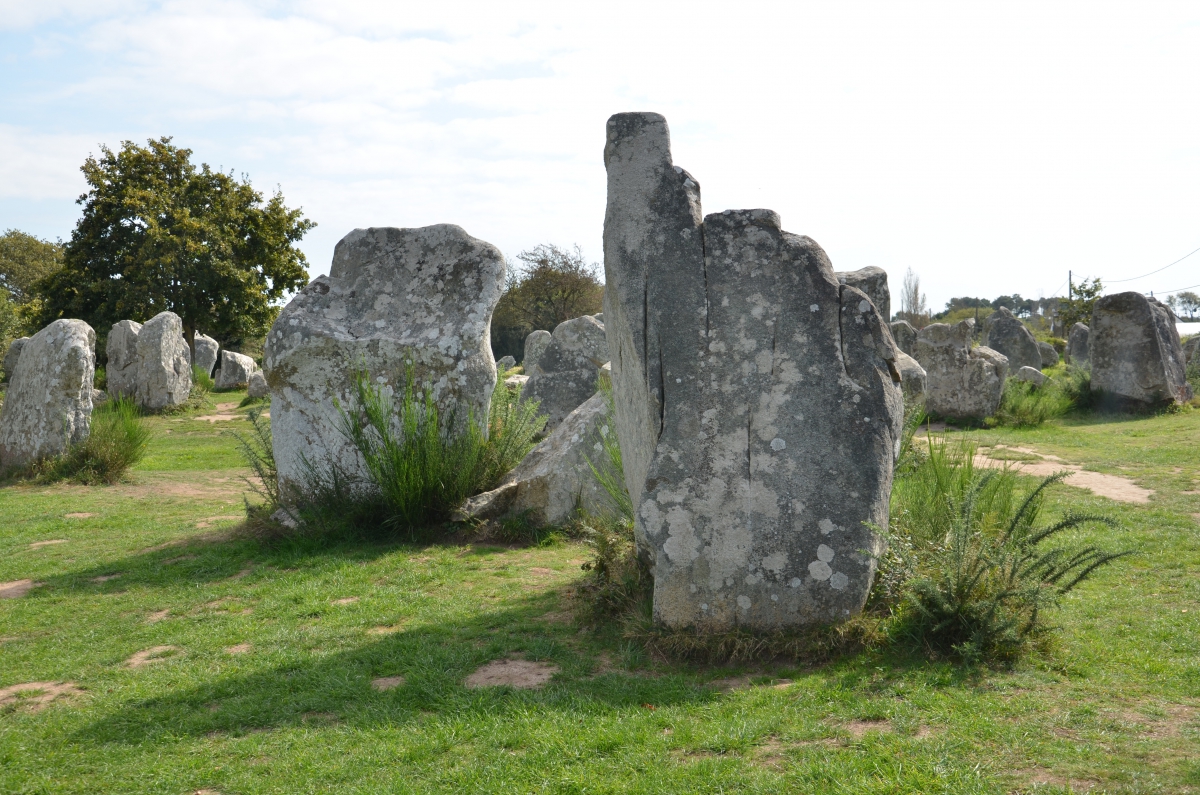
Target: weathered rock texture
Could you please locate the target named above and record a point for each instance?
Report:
(535, 345)
(555, 478)
(912, 376)
(1009, 336)
(961, 382)
(507, 362)
(206, 353)
(235, 370)
(394, 299)
(905, 336)
(1190, 349)
(48, 405)
(566, 371)
(257, 387)
(755, 401)
(873, 282)
(121, 371)
(11, 356)
(1135, 350)
(1049, 355)
(1031, 375)
(1077, 346)
(164, 363)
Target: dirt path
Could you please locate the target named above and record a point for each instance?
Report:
(1114, 487)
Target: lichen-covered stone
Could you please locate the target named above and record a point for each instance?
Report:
(121, 370)
(872, 281)
(257, 387)
(206, 353)
(1077, 346)
(1191, 348)
(905, 336)
(565, 376)
(48, 405)
(555, 478)
(1008, 335)
(164, 363)
(961, 382)
(11, 356)
(755, 401)
(506, 363)
(1035, 377)
(235, 370)
(912, 376)
(394, 300)
(1049, 355)
(1135, 351)
(535, 345)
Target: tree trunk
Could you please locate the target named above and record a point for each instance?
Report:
(189, 334)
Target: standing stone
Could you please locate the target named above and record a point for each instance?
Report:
(48, 406)
(395, 300)
(535, 346)
(1190, 349)
(121, 371)
(913, 378)
(257, 387)
(1049, 355)
(506, 362)
(11, 357)
(1135, 351)
(1077, 346)
(872, 281)
(963, 383)
(905, 336)
(164, 363)
(235, 371)
(1035, 377)
(1006, 334)
(206, 353)
(566, 370)
(755, 401)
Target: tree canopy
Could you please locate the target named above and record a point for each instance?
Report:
(158, 233)
(24, 261)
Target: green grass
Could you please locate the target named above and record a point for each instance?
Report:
(1114, 706)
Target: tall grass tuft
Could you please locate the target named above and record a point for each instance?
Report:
(1025, 405)
(117, 441)
(201, 380)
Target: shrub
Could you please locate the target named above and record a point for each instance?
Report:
(100, 380)
(118, 439)
(201, 381)
(1024, 404)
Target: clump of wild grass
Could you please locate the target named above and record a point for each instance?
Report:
(100, 379)
(117, 441)
(201, 380)
(1024, 404)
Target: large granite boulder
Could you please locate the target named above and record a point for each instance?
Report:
(913, 378)
(395, 301)
(756, 401)
(164, 363)
(11, 356)
(535, 345)
(1049, 355)
(48, 405)
(872, 281)
(257, 387)
(121, 371)
(1190, 349)
(235, 370)
(565, 375)
(1004, 333)
(1077, 346)
(962, 383)
(905, 336)
(1135, 351)
(556, 478)
(206, 352)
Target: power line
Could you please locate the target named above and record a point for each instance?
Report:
(1180, 289)
(1151, 273)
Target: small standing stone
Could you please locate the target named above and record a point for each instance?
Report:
(257, 385)
(164, 363)
(535, 345)
(1049, 355)
(235, 370)
(11, 357)
(872, 281)
(1006, 334)
(206, 353)
(121, 372)
(1190, 349)
(912, 376)
(506, 363)
(1077, 346)
(1135, 351)
(905, 336)
(566, 370)
(962, 382)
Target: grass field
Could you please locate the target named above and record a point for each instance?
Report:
(198, 660)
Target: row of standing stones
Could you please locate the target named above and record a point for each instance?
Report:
(50, 396)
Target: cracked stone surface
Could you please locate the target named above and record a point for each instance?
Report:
(961, 382)
(164, 363)
(756, 401)
(394, 299)
(1135, 351)
(121, 369)
(872, 281)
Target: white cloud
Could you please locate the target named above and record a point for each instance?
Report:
(34, 165)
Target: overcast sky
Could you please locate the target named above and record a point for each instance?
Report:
(989, 148)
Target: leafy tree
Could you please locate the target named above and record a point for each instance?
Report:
(551, 285)
(24, 261)
(1078, 307)
(1186, 304)
(159, 234)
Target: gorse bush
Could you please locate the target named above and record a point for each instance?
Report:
(117, 441)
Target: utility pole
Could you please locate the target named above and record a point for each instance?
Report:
(1068, 287)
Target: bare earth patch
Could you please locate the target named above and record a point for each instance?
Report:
(105, 577)
(385, 630)
(859, 728)
(241, 648)
(78, 515)
(154, 618)
(521, 674)
(211, 520)
(346, 600)
(541, 572)
(51, 542)
(1113, 487)
(36, 696)
(387, 682)
(152, 655)
(240, 574)
(17, 588)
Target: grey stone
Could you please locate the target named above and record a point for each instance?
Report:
(514, 381)
(235, 370)
(256, 387)
(599, 316)
(1077, 346)
(565, 376)
(99, 396)
(1135, 351)
(912, 376)
(1191, 347)
(905, 336)
(121, 370)
(206, 353)
(11, 357)
(48, 405)
(1035, 377)
(1049, 355)
(1004, 333)
(395, 300)
(755, 401)
(872, 281)
(961, 382)
(164, 363)
(506, 362)
(555, 479)
(535, 346)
